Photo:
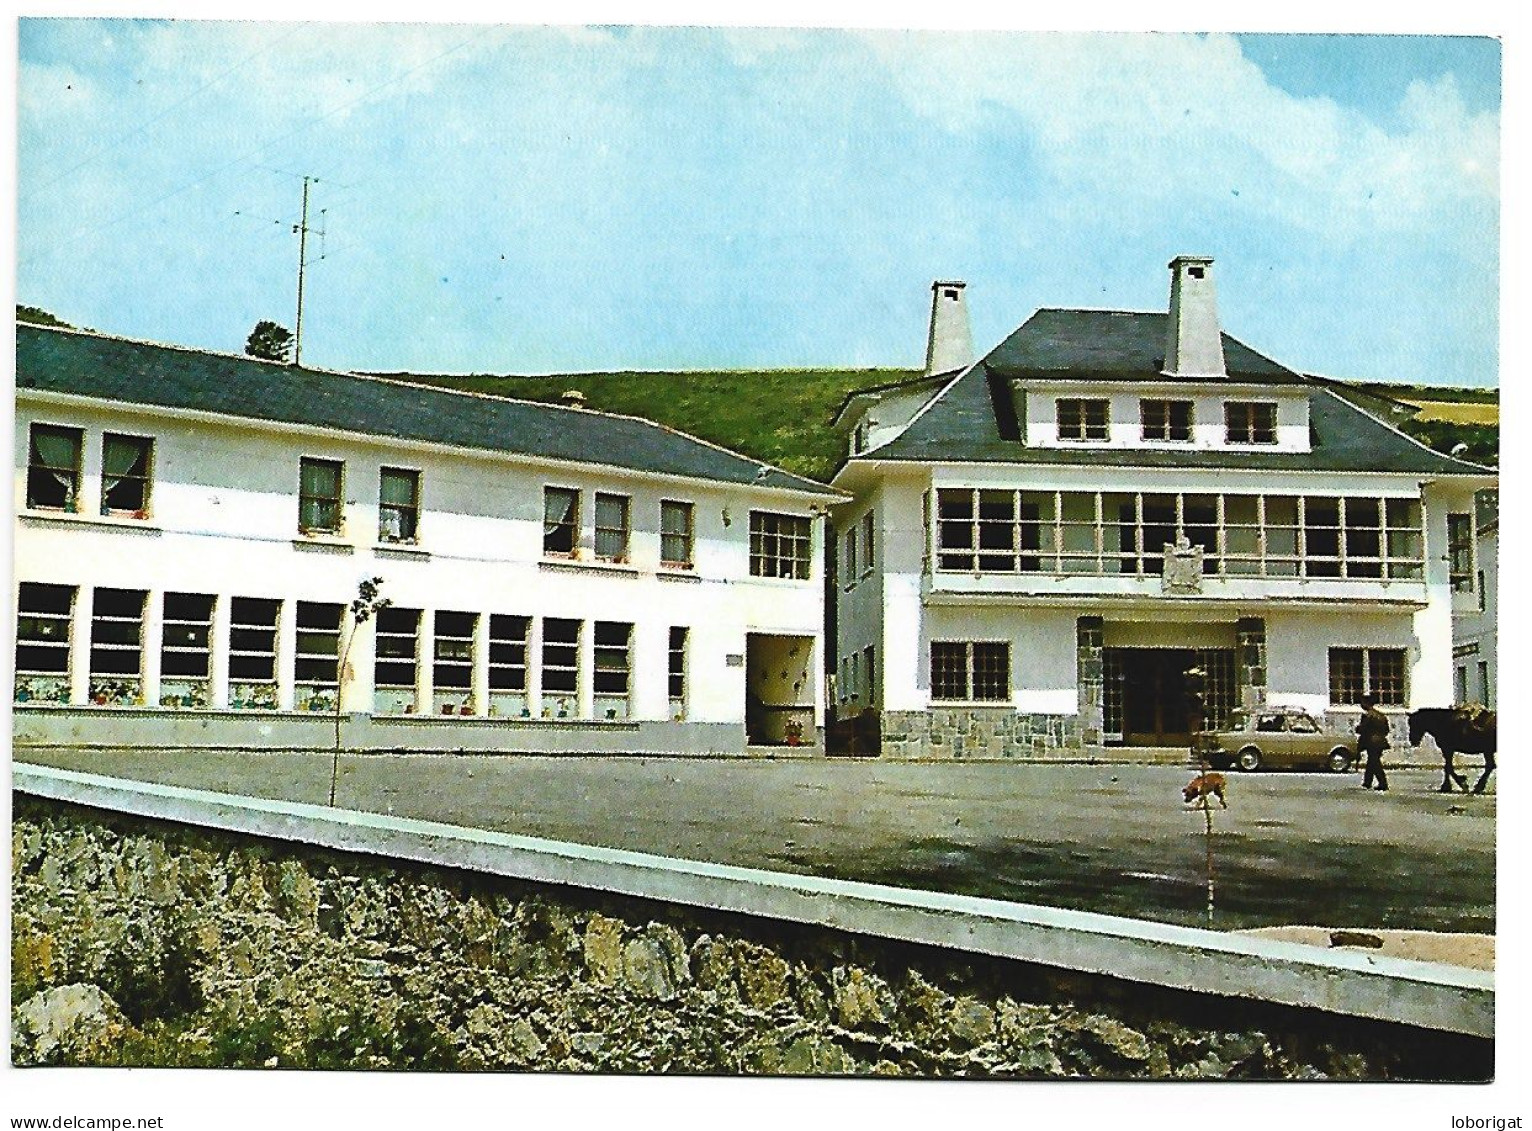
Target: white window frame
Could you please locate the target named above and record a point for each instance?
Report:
(108, 687)
(679, 644)
(246, 692)
(453, 654)
(1386, 697)
(47, 631)
(970, 671)
(1248, 430)
(622, 534)
(1081, 428)
(689, 534)
(785, 551)
(312, 693)
(178, 636)
(395, 631)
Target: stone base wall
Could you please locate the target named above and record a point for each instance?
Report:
(1342, 722)
(981, 733)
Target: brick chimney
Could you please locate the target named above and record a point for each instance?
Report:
(1193, 341)
(950, 346)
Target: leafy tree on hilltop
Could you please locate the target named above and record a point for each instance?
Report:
(269, 342)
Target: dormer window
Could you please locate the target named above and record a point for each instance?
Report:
(1082, 419)
(1250, 422)
(1166, 420)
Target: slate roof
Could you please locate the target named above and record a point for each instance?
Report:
(1112, 345)
(975, 418)
(144, 373)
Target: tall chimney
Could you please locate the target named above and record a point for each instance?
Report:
(1193, 342)
(950, 346)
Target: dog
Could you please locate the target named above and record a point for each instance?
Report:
(1203, 786)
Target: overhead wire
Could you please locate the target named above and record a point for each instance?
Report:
(141, 127)
(243, 159)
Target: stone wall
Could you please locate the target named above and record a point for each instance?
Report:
(980, 732)
(137, 943)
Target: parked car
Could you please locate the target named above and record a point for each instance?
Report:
(1277, 738)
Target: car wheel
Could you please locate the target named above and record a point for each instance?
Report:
(1340, 760)
(1249, 759)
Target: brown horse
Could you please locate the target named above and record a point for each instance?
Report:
(1457, 730)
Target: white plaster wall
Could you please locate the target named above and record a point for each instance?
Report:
(860, 597)
(1124, 425)
(900, 620)
(1298, 647)
(1043, 651)
(223, 520)
(1431, 675)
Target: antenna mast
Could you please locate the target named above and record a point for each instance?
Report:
(302, 228)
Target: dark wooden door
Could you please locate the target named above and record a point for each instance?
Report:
(1153, 696)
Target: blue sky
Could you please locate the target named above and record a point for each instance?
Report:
(522, 199)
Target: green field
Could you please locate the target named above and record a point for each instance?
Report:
(778, 415)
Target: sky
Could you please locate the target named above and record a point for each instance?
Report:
(526, 199)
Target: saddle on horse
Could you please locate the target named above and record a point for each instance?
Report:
(1474, 720)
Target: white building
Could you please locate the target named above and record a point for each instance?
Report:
(1041, 542)
(1473, 645)
(192, 527)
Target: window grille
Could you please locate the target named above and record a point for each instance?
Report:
(561, 667)
(1105, 533)
(1250, 422)
(970, 671)
(1460, 552)
(779, 545)
(1082, 419)
(612, 527)
(1355, 672)
(1165, 420)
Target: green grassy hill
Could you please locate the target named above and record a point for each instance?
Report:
(783, 415)
(778, 415)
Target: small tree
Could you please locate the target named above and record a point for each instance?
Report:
(269, 342)
(1194, 685)
(366, 606)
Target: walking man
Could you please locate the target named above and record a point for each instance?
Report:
(1372, 740)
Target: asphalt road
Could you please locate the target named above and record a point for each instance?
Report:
(1292, 848)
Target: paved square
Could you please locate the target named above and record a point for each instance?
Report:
(1291, 848)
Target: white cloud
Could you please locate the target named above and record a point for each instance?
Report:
(1178, 113)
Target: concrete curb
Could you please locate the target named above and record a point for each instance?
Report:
(1428, 995)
